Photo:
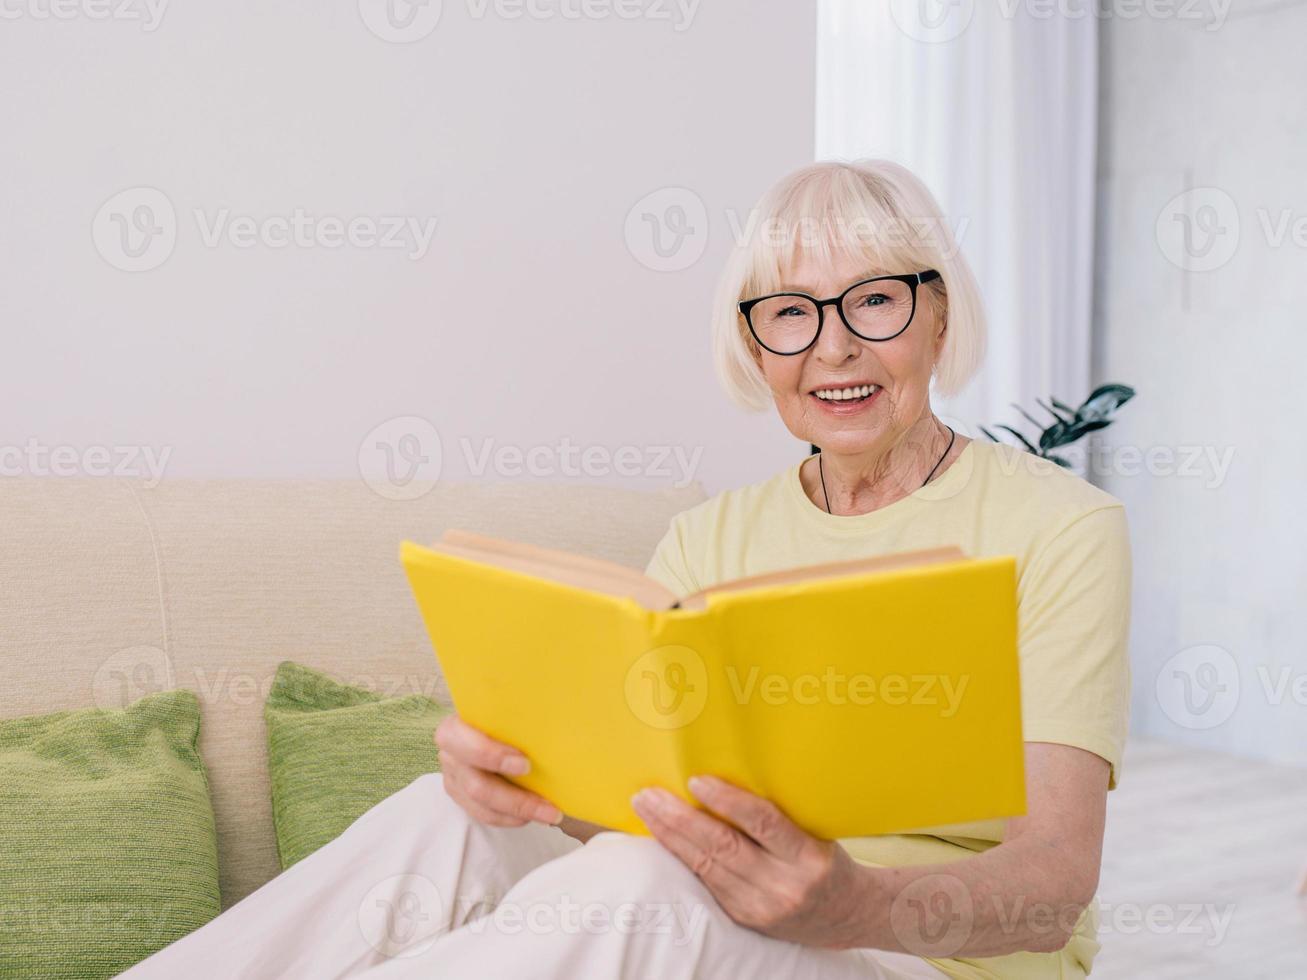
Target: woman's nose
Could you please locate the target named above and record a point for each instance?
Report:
(835, 344)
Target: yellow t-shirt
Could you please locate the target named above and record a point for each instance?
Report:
(1073, 573)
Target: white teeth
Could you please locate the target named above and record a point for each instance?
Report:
(842, 394)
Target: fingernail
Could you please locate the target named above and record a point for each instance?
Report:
(643, 800)
(700, 785)
(515, 765)
(550, 814)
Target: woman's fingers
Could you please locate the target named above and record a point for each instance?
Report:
(760, 818)
(494, 793)
(474, 747)
(472, 762)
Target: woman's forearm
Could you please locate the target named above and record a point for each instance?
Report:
(1024, 894)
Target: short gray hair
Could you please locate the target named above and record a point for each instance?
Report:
(874, 210)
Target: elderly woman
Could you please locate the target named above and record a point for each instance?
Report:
(842, 315)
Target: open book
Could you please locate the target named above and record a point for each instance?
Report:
(863, 697)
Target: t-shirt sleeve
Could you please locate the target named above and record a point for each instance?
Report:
(1074, 625)
(669, 566)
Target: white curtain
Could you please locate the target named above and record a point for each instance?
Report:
(995, 108)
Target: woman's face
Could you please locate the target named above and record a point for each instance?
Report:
(900, 369)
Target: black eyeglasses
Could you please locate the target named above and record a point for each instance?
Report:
(874, 309)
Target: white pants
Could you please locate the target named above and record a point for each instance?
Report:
(414, 888)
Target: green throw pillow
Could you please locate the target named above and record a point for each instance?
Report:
(336, 751)
(107, 845)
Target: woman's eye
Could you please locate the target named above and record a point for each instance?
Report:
(874, 299)
(793, 311)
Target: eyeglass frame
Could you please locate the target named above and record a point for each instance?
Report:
(913, 280)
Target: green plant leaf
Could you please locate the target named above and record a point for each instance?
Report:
(1026, 415)
(1083, 428)
(1104, 400)
(1054, 436)
(992, 437)
(1052, 412)
(1024, 441)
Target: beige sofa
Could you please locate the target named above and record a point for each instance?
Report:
(110, 590)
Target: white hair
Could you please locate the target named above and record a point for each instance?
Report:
(874, 211)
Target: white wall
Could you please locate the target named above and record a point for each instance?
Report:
(1213, 333)
(535, 316)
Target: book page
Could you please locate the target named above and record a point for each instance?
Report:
(581, 571)
(834, 569)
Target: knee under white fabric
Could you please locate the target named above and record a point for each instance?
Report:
(414, 888)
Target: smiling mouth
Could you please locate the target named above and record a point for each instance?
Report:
(843, 396)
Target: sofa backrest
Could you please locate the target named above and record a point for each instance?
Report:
(110, 590)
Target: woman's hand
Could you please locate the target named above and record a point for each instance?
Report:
(474, 766)
(768, 875)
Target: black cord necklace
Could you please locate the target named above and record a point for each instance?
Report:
(951, 436)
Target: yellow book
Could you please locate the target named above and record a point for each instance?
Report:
(866, 697)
